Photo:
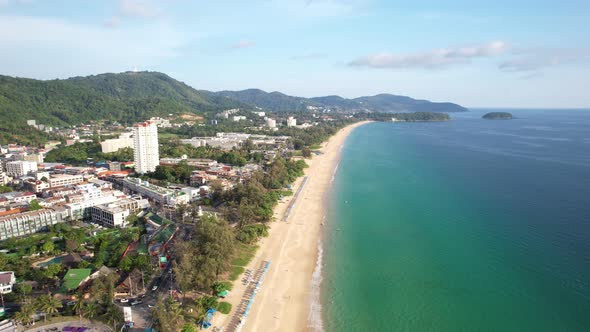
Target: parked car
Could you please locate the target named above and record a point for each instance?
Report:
(124, 300)
(136, 302)
(71, 303)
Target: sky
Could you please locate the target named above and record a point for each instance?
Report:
(519, 53)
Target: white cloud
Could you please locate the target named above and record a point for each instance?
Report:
(138, 8)
(438, 58)
(244, 44)
(534, 59)
(49, 48)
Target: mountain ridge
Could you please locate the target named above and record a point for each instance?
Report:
(135, 96)
(384, 102)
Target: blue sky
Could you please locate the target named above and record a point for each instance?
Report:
(476, 53)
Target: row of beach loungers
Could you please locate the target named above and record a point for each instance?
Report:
(243, 309)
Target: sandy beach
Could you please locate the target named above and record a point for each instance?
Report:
(283, 300)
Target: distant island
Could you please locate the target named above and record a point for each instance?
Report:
(498, 116)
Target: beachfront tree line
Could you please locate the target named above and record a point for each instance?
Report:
(204, 260)
(248, 207)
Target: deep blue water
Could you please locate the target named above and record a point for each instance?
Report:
(467, 225)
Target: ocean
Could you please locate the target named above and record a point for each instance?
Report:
(466, 225)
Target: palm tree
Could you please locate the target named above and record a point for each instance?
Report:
(175, 314)
(113, 315)
(79, 305)
(49, 305)
(89, 310)
(25, 314)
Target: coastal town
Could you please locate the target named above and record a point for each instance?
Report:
(108, 222)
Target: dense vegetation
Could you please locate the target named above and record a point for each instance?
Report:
(498, 116)
(271, 101)
(216, 251)
(13, 131)
(276, 101)
(5, 189)
(125, 97)
(135, 96)
(79, 153)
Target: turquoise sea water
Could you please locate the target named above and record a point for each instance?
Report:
(468, 225)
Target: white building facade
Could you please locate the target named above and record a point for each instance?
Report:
(113, 145)
(7, 279)
(271, 123)
(291, 122)
(145, 147)
(27, 223)
(58, 180)
(20, 168)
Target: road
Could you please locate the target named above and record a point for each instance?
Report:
(142, 315)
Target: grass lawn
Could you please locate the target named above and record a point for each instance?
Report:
(235, 272)
(315, 147)
(244, 254)
(286, 193)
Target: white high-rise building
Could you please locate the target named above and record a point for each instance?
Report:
(291, 122)
(20, 168)
(145, 147)
(271, 123)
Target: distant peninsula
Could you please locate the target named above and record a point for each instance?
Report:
(498, 116)
(420, 117)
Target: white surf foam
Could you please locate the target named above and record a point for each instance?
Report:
(334, 173)
(314, 320)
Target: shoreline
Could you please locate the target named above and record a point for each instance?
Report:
(284, 299)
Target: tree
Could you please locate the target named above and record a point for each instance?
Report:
(126, 264)
(113, 315)
(216, 190)
(32, 250)
(5, 189)
(34, 205)
(246, 213)
(214, 246)
(25, 314)
(169, 315)
(184, 265)
(24, 290)
(306, 152)
(89, 310)
(79, 305)
(48, 304)
(48, 247)
(181, 210)
(143, 262)
(188, 327)
(52, 270)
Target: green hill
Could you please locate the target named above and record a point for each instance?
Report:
(393, 103)
(136, 96)
(279, 102)
(271, 101)
(126, 97)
